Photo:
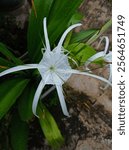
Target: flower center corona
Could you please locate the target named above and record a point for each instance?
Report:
(52, 68)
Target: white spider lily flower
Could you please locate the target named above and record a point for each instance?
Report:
(54, 69)
(107, 56)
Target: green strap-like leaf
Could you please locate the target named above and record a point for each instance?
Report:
(83, 35)
(49, 127)
(4, 50)
(100, 32)
(19, 134)
(10, 90)
(25, 102)
(77, 16)
(5, 63)
(59, 17)
(81, 52)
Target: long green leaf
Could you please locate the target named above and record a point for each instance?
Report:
(10, 90)
(59, 17)
(83, 35)
(77, 16)
(5, 63)
(19, 134)
(100, 32)
(4, 50)
(25, 102)
(81, 52)
(49, 127)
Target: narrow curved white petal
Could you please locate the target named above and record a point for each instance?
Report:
(103, 54)
(107, 43)
(62, 100)
(36, 96)
(108, 57)
(59, 46)
(94, 57)
(19, 68)
(73, 71)
(100, 54)
(109, 78)
(46, 34)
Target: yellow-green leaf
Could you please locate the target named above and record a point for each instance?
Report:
(49, 127)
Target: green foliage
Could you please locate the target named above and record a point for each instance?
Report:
(10, 90)
(9, 56)
(7, 59)
(49, 127)
(100, 32)
(83, 35)
(25, 102)
(81, 52)
(19, 134)
(77, 16)
(59, 17)
(4, 64)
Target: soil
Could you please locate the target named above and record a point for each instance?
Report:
(89, 127)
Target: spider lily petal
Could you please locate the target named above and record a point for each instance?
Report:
(109, 78)
(106, 57)
(36, 96)
(59, 46)
(94, 57)
(19, 68)
(62, 100)
(46, 35)
(107, 43)
(73, 71)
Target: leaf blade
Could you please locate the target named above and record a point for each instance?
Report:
(100, 32)
(10, 90)
(4, 50)
(25, 102)
(81, 52)
(49, 127)
(19, 134)
(83, 35)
